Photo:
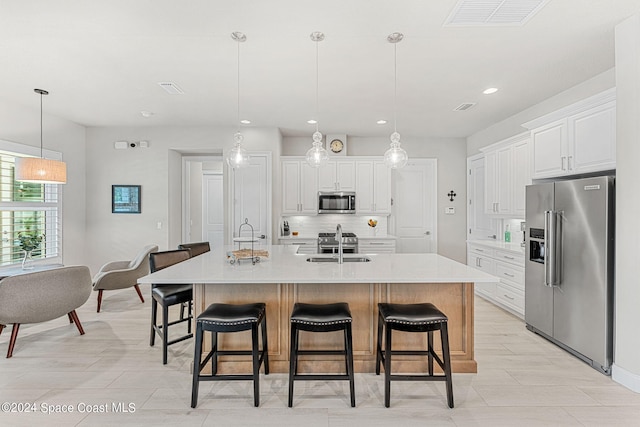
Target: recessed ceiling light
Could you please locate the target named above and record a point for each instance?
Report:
(381, 122)
(312, 122)
(245, 122)
(490, 90)
(146, 114)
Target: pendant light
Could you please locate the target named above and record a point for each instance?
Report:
(317, 155)
(395, 157)
(38, 169)
(238, 156)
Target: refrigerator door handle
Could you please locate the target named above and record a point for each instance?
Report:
(552, 259)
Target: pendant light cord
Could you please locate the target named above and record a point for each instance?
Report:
(238, 112)
(317, 84)
(41, 156)
(395, 87)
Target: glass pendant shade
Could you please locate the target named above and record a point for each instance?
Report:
(38, 170)
(317, 155)
(395, 157)
(238, 157)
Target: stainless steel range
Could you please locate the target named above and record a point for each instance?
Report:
(328, 243)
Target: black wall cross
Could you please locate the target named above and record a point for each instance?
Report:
(451, 195)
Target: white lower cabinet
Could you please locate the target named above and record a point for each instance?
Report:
(376, 246)
(508, 267)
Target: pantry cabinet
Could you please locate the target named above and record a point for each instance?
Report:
(299, 188)
(577, 139)
(507, 173)
(373, 187)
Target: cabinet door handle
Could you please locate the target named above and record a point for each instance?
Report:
(508, 297)
(569, 163)
(508, 275)
(479, 262)
(508, 257)
(376, 243)
(562, 161)
(479, 250)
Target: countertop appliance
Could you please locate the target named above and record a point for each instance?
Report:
(569, 266)
(336, 202)
(328, 244)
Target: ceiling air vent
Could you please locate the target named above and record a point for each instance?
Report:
(493, 13)
(171, 88)
(464, 106)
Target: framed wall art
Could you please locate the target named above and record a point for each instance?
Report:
(126, 199)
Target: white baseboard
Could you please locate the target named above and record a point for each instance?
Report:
(626, 378)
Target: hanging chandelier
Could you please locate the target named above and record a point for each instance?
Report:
(317, 155)
(395, 157)
(38, 169)
(238, 156)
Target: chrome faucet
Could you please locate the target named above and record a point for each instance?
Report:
(339, 237)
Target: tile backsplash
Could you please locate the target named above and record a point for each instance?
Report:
(358, 224)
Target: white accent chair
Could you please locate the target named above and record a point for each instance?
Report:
(123, 274)
(42, 296)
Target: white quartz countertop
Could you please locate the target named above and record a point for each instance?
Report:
(285, 266)
(496, 244)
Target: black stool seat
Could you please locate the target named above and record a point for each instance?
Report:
(232, 314)
(321, 318)
(321, 314)
(230, 318)
(173, 294)
(423, 317)
(411, 314)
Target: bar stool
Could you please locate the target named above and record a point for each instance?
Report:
(230, 318)
(321, 318)
(413, 318)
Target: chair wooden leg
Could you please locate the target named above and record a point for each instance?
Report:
(70, 318)
(99, 299)
(165, 333)
(197, 356)
(12, 340)
(255, 353)
(139, 293)
(1, 328)
(154, 319)
(74, 317)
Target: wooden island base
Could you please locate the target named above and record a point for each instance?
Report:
(454, 299)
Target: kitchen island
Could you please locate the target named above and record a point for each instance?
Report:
(286, 277)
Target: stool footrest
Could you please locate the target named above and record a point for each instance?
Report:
(417, 377)
(186, 337)
(321, 352)
(321, 377)
(226, 377)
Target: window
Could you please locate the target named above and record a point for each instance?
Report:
(27, 209)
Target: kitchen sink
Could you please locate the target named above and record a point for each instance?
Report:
(332, 259)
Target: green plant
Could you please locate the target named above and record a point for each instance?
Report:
(29, 242)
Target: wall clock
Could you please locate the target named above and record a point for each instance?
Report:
(337, 144)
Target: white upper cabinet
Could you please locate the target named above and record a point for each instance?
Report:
(507, 173)
(373, 187)
(337, 175)
(577, 139)
(299, 188)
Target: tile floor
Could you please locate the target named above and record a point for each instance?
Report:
(522, 380)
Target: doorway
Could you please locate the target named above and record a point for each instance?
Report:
(414, 207)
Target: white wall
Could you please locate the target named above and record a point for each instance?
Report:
(626, 369)
(451, 154)
(512, 125)
(159, 170)
(22, 125)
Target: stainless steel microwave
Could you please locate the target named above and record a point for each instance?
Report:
(336, 202)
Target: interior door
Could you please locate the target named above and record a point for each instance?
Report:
(213, 210)
(414, 207)
(251, 190)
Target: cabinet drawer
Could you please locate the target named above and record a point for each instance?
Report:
(487, 289)
(376, 246)
(510, 296)
(481, 250)
(510, 257)
(510, 273)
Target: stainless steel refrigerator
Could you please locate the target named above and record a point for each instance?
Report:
(569, 266)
